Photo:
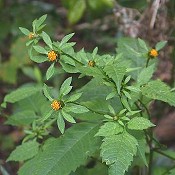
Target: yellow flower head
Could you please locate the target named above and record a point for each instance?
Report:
(31, 35)
(52, 56)
(56, 105)
(153, 53)
(91, 63)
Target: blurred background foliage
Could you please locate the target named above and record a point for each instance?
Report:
(95, 23)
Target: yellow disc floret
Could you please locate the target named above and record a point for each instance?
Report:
(31, 35)
(52, 56)
(56, 105)
(91, 63)
(153, 53)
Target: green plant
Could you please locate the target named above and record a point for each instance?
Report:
(109, 114)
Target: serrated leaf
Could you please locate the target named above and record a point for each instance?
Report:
(116, 72)
(118, 151)
(146, 74)
(47, 92)
(21, 93)
(158, 90)
(139, 123)
(65, 87)
(50, 71)
(40, 49)
(47, 39)
(60, 123)
(109, 129)
(25, 151)
(63, 155)
(160, 45)
(24, 31)
(68, 117)
(78, 109)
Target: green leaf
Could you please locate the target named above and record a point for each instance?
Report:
(24, 31)
(116, 72)
(160, 45)
(24, 117)
(78, 109)
(65, 87)
(39, 58)
(60, 123)
(139, 123)
(133, 88)
(159, 91)
(46, 116)
(118, 151)
(94, 53)
(40, 21)
(67, 116)
(136, 55)
(74, 97)
(126, 94)
(40, 49)
(66, 39)
(25, 151)
(125, 103)
(143, 44)
(111, 95)
(29, 42)
(21, 93)
(145, 75)
(172, 172)
(47, 39)
(111, 109)
(142, 146)
(50, 71)
(63, 155)
(109, 129)
(75, 15)
(47, 93)
(128, 78)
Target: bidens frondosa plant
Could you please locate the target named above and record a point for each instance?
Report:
(110, 113)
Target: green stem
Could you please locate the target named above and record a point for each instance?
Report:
(147, 62)
(164, 154)
(150, 141)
